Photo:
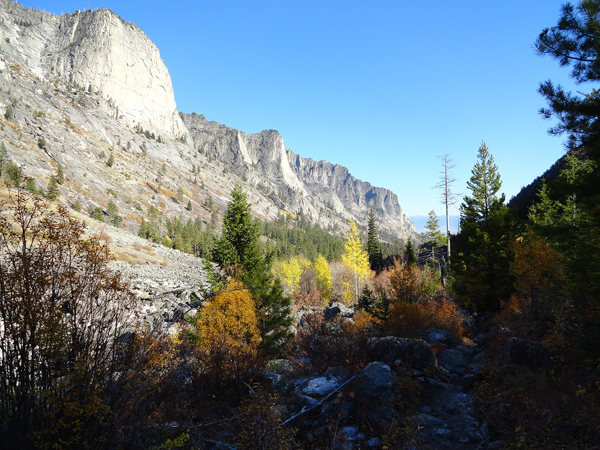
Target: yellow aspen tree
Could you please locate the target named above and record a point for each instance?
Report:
(290, 271)
(324, 278)
(356, 260)
(228, 335)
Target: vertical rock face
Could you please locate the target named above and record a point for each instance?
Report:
(326, 193)
(96, 50)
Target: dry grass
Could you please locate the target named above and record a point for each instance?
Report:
(146, 248)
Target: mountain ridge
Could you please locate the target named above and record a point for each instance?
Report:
(92, 85)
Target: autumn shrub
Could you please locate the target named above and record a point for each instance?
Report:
(540, 408)
(260, 424)
(406, 319)
(441, 313)
(62, 314)
(409, 282)
(540, 288)
(227, 333)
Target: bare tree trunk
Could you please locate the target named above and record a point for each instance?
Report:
(448, 197)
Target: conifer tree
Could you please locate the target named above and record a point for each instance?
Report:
(52, 191)
(482, 262)
(433, 236)
(239, 248)
(4, 158)
(272, 307)
(60, 175)
(239, 243)
(410, 254)
(484, 184)
(373, 244)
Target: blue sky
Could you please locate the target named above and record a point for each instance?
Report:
(382, 87)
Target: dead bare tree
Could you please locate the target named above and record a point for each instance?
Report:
(448, 197)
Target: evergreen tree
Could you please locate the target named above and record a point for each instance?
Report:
(481, 259)
(239, 243)
(60, 175)
(52, 191)
(432, 235)
(113, 213)
(484, 184)
(30, 185)
(410, 254)
(272, 307)
(4, 159)
(189, 205)
(574, 42)
(373, 244)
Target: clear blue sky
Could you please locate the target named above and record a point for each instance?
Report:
(382, 87)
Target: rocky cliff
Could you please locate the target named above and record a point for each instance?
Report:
(90, 92)
(98, 51)
(325, 192)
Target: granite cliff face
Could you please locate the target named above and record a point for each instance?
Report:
(98, 51)
(87, 87)
(325, 192)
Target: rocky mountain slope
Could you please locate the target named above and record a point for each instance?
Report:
(90, 92)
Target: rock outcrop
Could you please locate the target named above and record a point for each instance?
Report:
(98, 51)
(324, 192)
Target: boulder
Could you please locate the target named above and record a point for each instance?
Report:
(373, 386)
(413, 353)
(433, 336)
(338, 309)
(321, 386)
(453, 360)
(531, 353)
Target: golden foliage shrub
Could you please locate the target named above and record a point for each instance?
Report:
(441, 313)
(540, 285)
(406, 319)
(227, 332)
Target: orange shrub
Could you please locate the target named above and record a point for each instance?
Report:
(441, 313)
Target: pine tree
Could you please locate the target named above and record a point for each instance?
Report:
(355, 259)
(433, 236)
(272, 308)
(239, 243)
(484, 184)
(373, 244)
(410, 254)
(52, 191)
(481, 255)
(4, 158)
(60, 175)
(189, 205)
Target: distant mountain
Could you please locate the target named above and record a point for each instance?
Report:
(421, 221)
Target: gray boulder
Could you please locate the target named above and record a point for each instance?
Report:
(373, 386)
(433, 336)
(453, 360)
(338, 309)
